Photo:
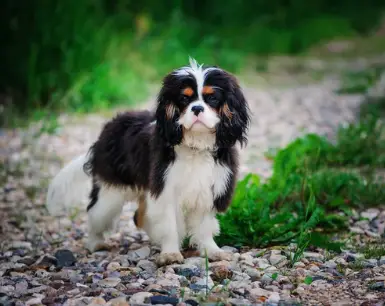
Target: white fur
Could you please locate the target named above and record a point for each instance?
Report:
(69, 188)
(185, 206)
(103, 216)
(207, 119)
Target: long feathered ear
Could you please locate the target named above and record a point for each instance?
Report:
(235, 117)
(167, 115)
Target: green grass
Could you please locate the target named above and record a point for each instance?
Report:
(314, 186)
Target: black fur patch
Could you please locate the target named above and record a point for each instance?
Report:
(94, 195)
(227, 157)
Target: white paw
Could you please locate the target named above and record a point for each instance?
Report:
(97, 245)
(219, 255)
(165, 259)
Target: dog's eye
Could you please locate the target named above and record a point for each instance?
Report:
(185, 99)
(212, 100)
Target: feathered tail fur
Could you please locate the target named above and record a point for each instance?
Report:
(69, 188)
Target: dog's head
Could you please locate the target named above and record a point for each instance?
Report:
(202, 107)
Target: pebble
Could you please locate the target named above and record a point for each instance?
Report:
(382, 261)
(163, 300)
(313, 256)
(278, 260)
(65, 258)
(140, 297)
(139, 254)
(109, 282)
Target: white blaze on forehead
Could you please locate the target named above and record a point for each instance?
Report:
(197, 72)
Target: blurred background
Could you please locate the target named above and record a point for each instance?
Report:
(85, 55)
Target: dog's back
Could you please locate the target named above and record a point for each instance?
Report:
(120, 156)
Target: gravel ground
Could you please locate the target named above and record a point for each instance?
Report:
(43, 260)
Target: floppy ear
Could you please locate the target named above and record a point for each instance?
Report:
(167, 115)
(235, 117)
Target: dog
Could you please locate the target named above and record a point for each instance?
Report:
(179, 163)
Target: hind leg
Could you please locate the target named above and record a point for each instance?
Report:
(141, 211)
(105, 207)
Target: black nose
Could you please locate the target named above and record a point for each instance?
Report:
(197, 109)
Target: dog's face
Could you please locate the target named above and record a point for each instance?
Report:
(204, 105)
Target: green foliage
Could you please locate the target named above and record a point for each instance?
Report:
(310, 193)
(85, 55)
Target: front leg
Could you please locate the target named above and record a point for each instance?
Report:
(161, 226)
(203, 228)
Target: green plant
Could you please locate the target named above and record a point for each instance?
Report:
(311, 191)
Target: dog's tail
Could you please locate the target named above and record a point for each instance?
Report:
(69, 188)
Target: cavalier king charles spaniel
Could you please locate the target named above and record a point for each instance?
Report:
(179, 163)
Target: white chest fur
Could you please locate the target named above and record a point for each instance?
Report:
(194, 180)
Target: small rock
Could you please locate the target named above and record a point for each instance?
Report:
(97, 301)
(191, 302)
(21, 287)
(46, 261)
(257, 293)
(140, 297)
(356, 230)
(22, 245)
(382, 261)
(163, 300)
(299, 264)
(119, 301)
(65, 258)
(314, 268)
(220, 273)
(238, 302)
(266, 279)
(261, 263)
(139, 254)
(229, 249)
(370, 213)
(253, 273)
(278, 260)
(187, 270)
(274, 298)
(33, 301)
(147, 266)
(313, 256)
(8, 289)
(113, 266)
(330, 264)
(204, 282)
(341, 261)
(109, 282)
(370, 263)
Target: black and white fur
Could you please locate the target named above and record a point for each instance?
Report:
(180, 162)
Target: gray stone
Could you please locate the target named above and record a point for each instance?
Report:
(262, 263)
(313, 256)
(330, 264)
(278, 260)
(140, 297)
(253, 273)
(382, 261)
(139, 254)
(147, 266)
(109, 282)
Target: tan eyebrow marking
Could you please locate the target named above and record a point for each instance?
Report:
(188, 91)
(207, 90)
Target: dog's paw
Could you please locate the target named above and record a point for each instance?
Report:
(219, 256)
(95, 246)
(165, 259)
